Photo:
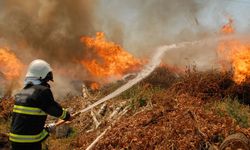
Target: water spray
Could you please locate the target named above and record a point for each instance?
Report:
(148, 69)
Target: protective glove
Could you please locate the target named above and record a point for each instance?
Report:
(51, 127)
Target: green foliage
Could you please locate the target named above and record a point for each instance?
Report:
(140, 95)
(142, 102)
(73, 133)
(235, 110)
(239, 112)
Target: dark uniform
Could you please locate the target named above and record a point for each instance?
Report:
(30, 111)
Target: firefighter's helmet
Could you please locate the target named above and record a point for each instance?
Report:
(39, 69)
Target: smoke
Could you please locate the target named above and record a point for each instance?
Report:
(141, 26)
(147, 24)
(47, 29)
(50, 26)
(51, 29)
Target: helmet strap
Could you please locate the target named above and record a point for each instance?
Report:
(49, 77)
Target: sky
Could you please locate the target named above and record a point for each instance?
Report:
(214, 15)
(209, 16)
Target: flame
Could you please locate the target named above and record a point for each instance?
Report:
(235, 54)
(94, 86)
(10, 65)
(108, 59)
(241, 65)
(228, 28)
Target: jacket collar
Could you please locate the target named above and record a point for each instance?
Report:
(32, 80)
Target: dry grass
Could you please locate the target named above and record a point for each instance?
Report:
(212, 97)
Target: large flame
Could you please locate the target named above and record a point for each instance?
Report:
(108, 59)
(10, 66)
(236, 53)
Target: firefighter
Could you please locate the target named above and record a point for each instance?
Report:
(32, 104)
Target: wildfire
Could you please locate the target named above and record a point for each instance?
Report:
(228, 28)
(95, 86)
(10, 66)
(108, 59)
(236, 53)
(172, 68)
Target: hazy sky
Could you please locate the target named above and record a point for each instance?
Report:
(146, 24)
(214, 15)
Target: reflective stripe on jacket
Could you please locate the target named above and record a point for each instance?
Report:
(28, 138)
(64, 114)
(28, 110)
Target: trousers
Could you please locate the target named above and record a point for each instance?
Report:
(26, 146)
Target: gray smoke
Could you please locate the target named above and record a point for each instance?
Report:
(147, 24)
(50, 26)
(141, 26)
(51, 29)
(48, 29)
